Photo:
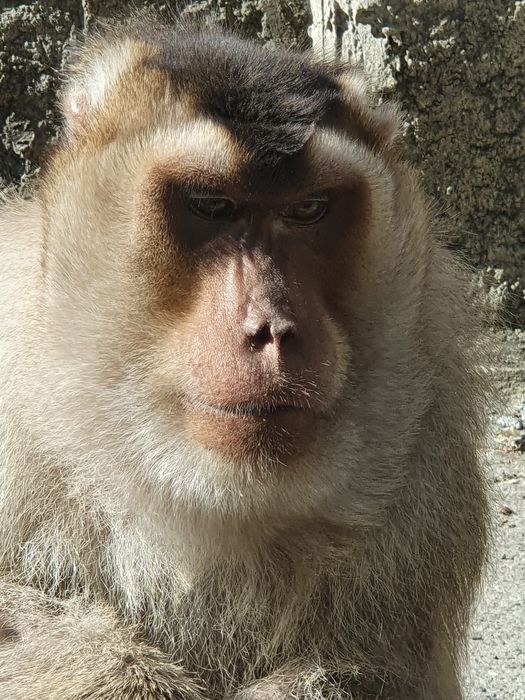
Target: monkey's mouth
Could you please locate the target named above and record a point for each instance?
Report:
(249, 410)
(252, 431)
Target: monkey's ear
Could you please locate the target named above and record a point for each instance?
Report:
(76, 109)
(97, 70)
(380, 125)
(385, 122)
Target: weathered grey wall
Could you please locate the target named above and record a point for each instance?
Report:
(458, 67)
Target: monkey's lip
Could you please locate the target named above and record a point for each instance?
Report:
(252, 430)
(270, 429)
(249, 409)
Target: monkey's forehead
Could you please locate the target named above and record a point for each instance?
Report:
(269, 100)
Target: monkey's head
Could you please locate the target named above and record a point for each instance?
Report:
(227, 246)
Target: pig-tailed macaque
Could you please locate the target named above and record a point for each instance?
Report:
(240, 391)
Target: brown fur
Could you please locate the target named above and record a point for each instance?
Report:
(136, 563)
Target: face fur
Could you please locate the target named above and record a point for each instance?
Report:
(218, 282)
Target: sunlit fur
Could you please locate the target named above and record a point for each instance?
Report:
(137, 564)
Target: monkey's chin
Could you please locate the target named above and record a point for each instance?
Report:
(258, 435)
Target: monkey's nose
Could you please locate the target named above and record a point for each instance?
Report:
(275, 333)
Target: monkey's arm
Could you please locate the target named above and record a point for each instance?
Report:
(438, 682)
(72, 650)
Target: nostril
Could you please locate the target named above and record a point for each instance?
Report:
(262, 337)
(270, 333)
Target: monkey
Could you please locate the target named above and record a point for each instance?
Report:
(242, 389)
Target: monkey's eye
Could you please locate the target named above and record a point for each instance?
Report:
(212, 207)
(308, 211)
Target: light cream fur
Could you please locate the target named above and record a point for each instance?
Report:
(136, 564)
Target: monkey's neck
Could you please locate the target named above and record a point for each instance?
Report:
(275, 597)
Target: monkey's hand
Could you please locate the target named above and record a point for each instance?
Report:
(52, 649)
(295, 684)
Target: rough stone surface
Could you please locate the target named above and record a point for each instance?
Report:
(497, 644)
(32, 49)
(511, 363)
(458, 67)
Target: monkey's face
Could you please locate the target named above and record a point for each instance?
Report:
(251, 353)
(225, 268)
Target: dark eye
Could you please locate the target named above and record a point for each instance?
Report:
(308, 211)
(212, 207)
